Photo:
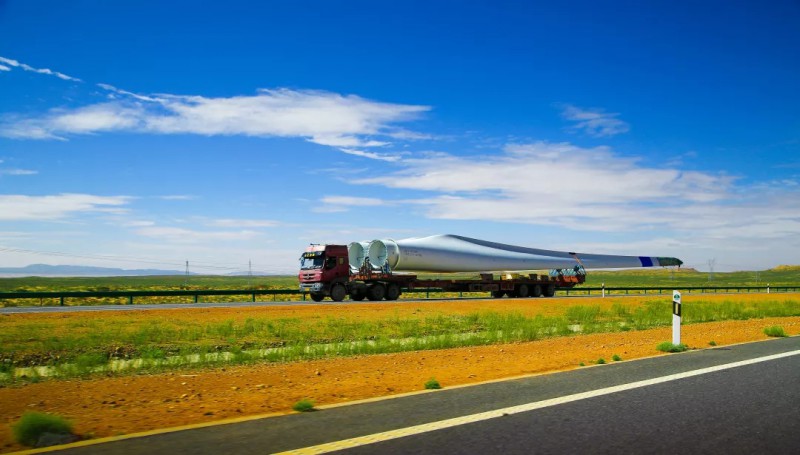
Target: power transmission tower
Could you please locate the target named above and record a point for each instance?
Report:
(186, 280)
(249, 273)
(711, 263)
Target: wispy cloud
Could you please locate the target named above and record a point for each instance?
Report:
(56, 207)
(332, 204)
(594, 122)
(242, 223)
(17, 172)
(182, 235)
(326, 118)
(16, 64)
(558, 185)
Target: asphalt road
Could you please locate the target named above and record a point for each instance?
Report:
(668, 404)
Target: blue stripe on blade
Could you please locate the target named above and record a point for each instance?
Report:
(646, 261)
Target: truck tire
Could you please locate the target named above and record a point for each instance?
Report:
(523, 291)
(392, 291)
(317, 297)
(537, 290)
(550, 290)
(338, 292)
(498, 294)
(358, 293)
(376, 292)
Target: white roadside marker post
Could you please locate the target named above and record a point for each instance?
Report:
(676, 317)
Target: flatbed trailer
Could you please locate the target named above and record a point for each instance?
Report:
(325, 272)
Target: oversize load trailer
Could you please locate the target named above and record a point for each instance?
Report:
(325, 271)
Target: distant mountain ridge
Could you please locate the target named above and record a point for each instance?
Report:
(80, 270)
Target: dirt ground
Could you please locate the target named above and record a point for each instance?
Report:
(128, 404)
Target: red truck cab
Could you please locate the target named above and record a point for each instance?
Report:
(324, 270)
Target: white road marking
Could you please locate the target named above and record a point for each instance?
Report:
(463, 420)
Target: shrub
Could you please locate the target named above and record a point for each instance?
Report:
(32, 425)
(775, 331)
(669, 347)
(616, 358)
(432, 384)
(303, 406)
(712, 343)
(601, 361)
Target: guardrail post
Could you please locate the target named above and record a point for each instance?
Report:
(196, 298)
(62, 300)
(427, 293)
(767, 288)
(676, 317)
(254, 297)
(604, 290)
(130, 299)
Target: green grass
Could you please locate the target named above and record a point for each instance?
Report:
(86, 346)
(32, 425)
(775, 331)
(670, 347)
(304, 406)
(432, 384)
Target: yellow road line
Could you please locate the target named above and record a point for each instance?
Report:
(463, 420)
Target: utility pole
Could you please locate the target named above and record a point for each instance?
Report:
(186, 279)
(249, 273)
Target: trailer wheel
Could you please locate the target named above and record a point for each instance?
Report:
(537, 290)
(358, 293)
(550, 290)
(376, 292)
(498, 294)
(522, 290)
(317, 297)
(392, 291)
(338, 292)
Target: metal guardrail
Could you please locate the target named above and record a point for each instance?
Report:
(61, 296)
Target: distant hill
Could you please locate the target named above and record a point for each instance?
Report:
(79, 270)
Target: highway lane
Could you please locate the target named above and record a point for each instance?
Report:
(742, 408)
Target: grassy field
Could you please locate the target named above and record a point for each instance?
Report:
(77, 344)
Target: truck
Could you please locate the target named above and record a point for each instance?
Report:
(325, 271)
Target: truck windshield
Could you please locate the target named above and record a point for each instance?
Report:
(308, 263)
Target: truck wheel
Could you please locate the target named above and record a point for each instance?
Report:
(392, 291)
(523, 291)
(338, 292)
(498, 294)
(376, 292)
(358, 293)
(317, 297)
(550, 290)
(537, 290)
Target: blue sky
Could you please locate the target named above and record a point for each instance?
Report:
(145, 134)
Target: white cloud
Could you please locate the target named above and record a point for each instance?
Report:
(16, 64)
(321, 117)
(240, 223)
(55, 207)
(182, 235)
(594, 122)
(4, 68)
(372, 155)
(555, 184)
(18, 172)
